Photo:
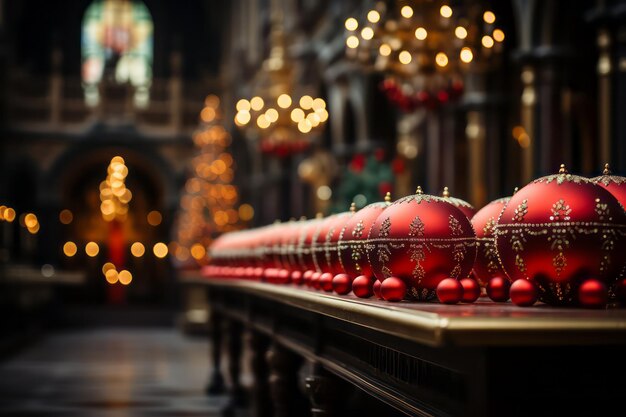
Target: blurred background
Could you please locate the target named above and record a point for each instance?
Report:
(132, 133)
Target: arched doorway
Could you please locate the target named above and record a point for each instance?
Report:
(76, 179)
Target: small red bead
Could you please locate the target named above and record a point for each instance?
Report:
(393, 289)
(498, 289)
(523, 293)
(283, 276)
(362, 286)
(593, 294)
(449, 291)
(270, 274)
(471, 290)
(326, 281)
(315, 280)
(376, 289)
(258, 272)
(342, 284)
(296, 277)
(306, 278)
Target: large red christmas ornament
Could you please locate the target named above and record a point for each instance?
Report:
(558, 231)
(353, 238)
(593, 294)
(392, 289)
(449, 291)
(342, 284)
(462, 205)
(326, 255)
(289, 233)
(421, 239)
(316, 246)
(498, 289)
(362, 286)
(620, 290)
(487, 264)
(471, 290)
(614, 183)
(308, 234)
(523, 293)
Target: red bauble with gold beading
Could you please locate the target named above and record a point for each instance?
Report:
(421, 239)
(462, 205)
(325, 251)
(305, 241)
(351, 247)
(615, 184)
(559, 231)
(487, 264)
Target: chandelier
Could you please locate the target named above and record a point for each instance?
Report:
(424, 48)
(284, 121)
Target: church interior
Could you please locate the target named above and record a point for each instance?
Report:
(312, 207)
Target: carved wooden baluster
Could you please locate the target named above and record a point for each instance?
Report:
(322, 391)
(286, 397)
(261, 405)
(216, 380)
(235, 333)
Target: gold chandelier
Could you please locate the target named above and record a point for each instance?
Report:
(284, 121)
(423, 47)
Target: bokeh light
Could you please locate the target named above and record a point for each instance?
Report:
(160, 250)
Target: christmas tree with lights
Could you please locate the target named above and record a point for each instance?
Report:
(209, 205)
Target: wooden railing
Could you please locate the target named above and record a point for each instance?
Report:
(424, 359)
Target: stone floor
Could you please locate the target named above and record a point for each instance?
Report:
(109, 372)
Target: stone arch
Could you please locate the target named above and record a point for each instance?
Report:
(77, 158)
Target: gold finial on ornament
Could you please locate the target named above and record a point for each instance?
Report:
(353, 207)
(607, 170)
(388, 198)
(515, 190)
(419, 190)
(446, 192)
(319, 215)
(562, 170)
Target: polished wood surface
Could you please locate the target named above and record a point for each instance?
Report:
(483, 323)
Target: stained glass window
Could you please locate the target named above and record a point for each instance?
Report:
(117, 47)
